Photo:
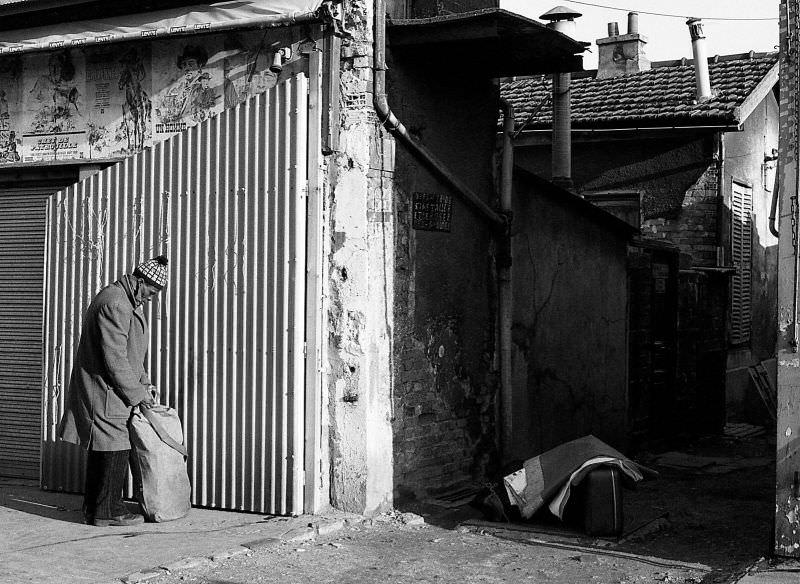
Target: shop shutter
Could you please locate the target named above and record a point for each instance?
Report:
(22, 241)
(741, 254)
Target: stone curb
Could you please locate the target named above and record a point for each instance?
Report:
(295, 535)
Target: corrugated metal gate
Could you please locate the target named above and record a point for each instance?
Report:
(22, 218)
(226, 202)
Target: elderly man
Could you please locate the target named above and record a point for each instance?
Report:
(108, 379)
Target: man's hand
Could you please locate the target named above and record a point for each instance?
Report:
(147, 403)
(150, 400)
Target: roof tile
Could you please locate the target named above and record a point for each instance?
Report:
(664, 94)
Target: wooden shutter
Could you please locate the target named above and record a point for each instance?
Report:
(741, 254)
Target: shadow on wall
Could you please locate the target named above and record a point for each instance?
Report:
(569, 322)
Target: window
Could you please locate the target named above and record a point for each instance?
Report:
(741, 254)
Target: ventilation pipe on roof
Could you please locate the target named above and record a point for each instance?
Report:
(633, 23)
(563, 20)
(700, 59)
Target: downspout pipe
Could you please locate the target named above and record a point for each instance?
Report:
(773, 208)
(722, 253)
(505, 296)
(399, 131)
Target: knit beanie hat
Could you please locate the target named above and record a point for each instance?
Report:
(153, 271)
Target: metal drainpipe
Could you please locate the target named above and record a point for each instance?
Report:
(721, 255)
(773, 208)
(505, 296)
(398, 130)
(562, 131)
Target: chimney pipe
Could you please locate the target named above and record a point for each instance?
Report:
(563, 20)
(633, 23)
(613, 29)
(701, 77)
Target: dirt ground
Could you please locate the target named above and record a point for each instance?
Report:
(705, 522)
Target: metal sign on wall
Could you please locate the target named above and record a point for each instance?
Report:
(432, 211)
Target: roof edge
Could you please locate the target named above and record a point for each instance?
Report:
(674, 63)
(569, 198)
(759, 92)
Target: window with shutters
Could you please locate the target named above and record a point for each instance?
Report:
(741, 254)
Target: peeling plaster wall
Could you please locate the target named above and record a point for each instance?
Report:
(569, 326)
(444, 301)
(787, 449)
(360, 287)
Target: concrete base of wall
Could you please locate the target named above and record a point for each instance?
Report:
(742, 400)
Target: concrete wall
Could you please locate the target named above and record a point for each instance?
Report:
(444, 392)
(570, 326)
(680, 184)
(360, 287)
(745, 162)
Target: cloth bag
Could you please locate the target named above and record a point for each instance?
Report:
(158, 463)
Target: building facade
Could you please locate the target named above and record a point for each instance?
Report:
(331, 313)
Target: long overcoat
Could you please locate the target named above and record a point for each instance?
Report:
(108, 376)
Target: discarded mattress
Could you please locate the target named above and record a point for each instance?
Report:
(547, 478)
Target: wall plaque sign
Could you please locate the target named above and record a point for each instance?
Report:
(432, 211)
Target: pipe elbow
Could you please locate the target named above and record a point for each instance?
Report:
(385, 114)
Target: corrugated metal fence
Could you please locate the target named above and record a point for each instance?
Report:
(225, 201)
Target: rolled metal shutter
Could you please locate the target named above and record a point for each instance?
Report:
(22, 241)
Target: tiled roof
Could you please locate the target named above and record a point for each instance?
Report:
(662, 96)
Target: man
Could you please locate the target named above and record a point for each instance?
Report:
(108, 379)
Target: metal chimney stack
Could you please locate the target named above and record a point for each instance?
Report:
(702, 80)
(563, 20)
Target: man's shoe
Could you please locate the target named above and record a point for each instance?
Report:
(119, 520)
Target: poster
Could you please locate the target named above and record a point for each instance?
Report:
(10, 110)
(117, 99)
(189, 82)
(118, 89)
(246, 60)
(54, 107)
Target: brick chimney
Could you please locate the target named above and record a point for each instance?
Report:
(621, 54)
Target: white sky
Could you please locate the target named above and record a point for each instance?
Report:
(668, 38)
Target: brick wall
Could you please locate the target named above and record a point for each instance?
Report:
(444, 383)
(693, 228)
(788, 70)
(444, 403)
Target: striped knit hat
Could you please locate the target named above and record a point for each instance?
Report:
(153, 271)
